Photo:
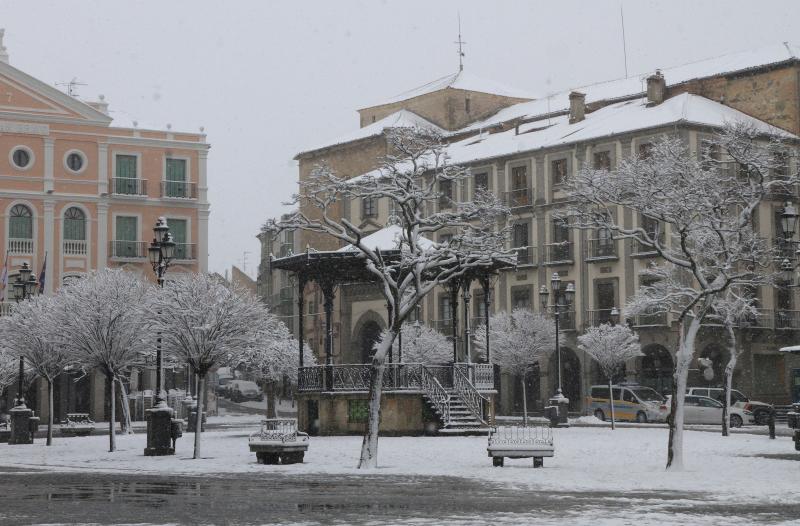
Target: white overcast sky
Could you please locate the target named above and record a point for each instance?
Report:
(268, 78)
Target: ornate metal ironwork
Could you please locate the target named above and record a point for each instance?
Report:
(437, 394)
(467, 392)
(537, 434)
(351, 377)
(309, 379)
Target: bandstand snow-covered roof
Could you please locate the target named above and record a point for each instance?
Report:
(387, 238)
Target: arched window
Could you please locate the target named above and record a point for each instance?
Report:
(74, 224)
(20, 224)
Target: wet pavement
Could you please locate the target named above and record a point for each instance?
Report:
(80, 498)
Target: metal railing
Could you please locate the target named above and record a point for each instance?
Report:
(640, 250)
(566, 320)
(787, 319)
(436, 393)
(474, 401)
(6, 307)
(128, 249)
(186, 251)
(443, 326)
(481, 375)
(650, 319)
(18, 245)
(310, 378)
(785, 249)
(442, 373)
(597, 317)
(74, 247)
(603, 248)
(128, 186)
(526, 256)
(178, 190)
(556, 253)
(518, 198)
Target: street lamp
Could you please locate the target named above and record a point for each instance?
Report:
(789, 221)
(24, 287)
(614, 316)
(566, 294)
(160, 252)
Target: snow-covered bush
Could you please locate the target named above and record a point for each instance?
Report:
(420, 344)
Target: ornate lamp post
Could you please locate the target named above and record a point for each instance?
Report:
(159, 418)
(562, 299)
(23, 423)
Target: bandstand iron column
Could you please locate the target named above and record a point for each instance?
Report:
(453, 288)
(485, 284)
(301, 285)
(465, 284)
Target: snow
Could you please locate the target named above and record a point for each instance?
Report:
(398, 119)
(462, 80)
(740, 468)
(793, 348)
(387, 238)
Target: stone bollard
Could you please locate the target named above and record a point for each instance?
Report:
(159, 432)
(771, 423)
(558, 413)
(21, 425)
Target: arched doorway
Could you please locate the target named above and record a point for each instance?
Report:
(370, 333)
(570, 377)
(656, 368)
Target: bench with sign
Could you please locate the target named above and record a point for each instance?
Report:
(77, 425)
(532, 441)
(279, 441)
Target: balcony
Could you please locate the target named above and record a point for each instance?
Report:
(126, 186)
(558, 253)
(597, 317)
(286, 293)
(518, 198)
(601, 249)
(650, 319)
(787, 320)
(185, 251)
(20, 246)
(639, 250)
(74, 247)
(178, 190)
(6, 307)
(784, 249)
(566, 320)
(526, 256)
(121, 249)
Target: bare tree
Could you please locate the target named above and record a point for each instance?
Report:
(696, 213)
(8, 368)
(420, 344)
(411, 178)
(517, 341)
(610, 346)
(101, 326)
(205, 323)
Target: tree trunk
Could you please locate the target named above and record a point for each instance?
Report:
(198, 424)
(683, 360)
(369, 447)
(126, 409)
(112, 442)
(611, 399)
(728, 376)
(272, 411)
(49, 411)
(524, 402)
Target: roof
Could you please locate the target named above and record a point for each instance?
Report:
(460, 80)
(387, 238)
(793, 348)
(398, 119)
(635, 85)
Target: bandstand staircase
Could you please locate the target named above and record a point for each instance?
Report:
(459, 406)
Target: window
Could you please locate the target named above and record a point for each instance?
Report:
(445, 310)
(605, 299)
(127, 237)
(481, 181)
(177, 227)
(357, 411)
(519, 186)
(602, 160)
(521, 298)
(445, 193)
(74, 224)
(20, 224)
(691, 400)
(558, 169)
(369, 207)
(22, 157)
(651, 226)
(645, 150)
(627, 396)
(175, 185)
(519, 239)
(466, 104)
(126, 176)
(75, 161)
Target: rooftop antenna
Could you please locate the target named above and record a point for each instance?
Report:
(244, 261)
(624, 47)
(460, 44)
(71, 85)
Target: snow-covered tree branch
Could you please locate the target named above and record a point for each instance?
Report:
(421, 344)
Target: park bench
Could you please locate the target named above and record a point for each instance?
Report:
(532, 441)
(279, 441)
(5, 432)
(77, 425)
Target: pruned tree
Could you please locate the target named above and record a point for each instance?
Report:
(8, 368)
(101, 326)
(275, 358)
(518, 340)
(696, 214)
(32, 331)
(205, 322)
(420, 344)
(413, 177)
(610, 346)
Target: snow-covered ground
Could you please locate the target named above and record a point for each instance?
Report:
(740, 468)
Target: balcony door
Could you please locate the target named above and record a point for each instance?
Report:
(127, 237)
(176, 178)
(177, 228)
(126, 177)
(605, 300)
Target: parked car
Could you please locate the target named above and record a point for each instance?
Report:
(242, 390)
(222, 386)
(760, 410)
(705, 410)
(631, 402)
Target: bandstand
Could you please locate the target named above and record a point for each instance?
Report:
(457, 397)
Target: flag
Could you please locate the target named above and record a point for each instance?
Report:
(41, 274)
(4, 275)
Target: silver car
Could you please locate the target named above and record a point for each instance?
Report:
(705, 410)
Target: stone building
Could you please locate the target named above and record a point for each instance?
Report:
(83, 191)
(522, 148)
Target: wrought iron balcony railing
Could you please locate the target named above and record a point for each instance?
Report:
(128, 249)
(526, 256)
(128, 186)
(178, 190)
(601, 249)
(558, 253)
(518, 198)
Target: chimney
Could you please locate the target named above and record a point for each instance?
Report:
(100, 105)
(656, 88)
(577, 106)
(3, 52)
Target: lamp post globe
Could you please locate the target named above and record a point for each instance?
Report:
(789, 220)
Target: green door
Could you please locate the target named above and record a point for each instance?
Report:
(125, 182)
(177, 228)
(176, 186)
(126, 241)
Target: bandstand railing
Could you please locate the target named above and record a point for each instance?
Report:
(474, 401)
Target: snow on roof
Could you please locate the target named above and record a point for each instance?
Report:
(459, 80)
(387, 238)
(398, 119)
(631, 86)
(793, 348)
